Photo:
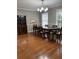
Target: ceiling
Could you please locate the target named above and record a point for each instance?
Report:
(34, 4)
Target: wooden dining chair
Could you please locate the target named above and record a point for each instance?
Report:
(46, 25)
(54, 26)
(46, 33)
(35, 29)
(59, 36)
(40, 32)
(53, 32)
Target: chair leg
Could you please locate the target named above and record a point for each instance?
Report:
(58, 39)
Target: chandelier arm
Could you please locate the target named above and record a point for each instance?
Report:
(42, 9)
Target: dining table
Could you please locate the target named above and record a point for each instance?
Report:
(51, 32)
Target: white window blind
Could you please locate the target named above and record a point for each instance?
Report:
(44, 19)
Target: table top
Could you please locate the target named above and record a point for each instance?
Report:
(50, 28)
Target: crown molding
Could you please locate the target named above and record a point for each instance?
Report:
(25, 9)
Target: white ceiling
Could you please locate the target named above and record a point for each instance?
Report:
(34, 4)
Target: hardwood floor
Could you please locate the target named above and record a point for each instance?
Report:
(32, 47)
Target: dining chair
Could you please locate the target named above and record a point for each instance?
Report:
(59, 35)
(46, 25)
(41, 32)
(35, 29)
(54, 26)
(53, 32)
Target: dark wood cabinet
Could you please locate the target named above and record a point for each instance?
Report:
(21, 25)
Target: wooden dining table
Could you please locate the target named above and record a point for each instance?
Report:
(46, 32)
(51, 32)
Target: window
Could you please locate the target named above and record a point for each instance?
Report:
(44, 19)
(59, 17)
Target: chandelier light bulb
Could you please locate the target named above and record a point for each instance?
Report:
(38, 9)
(42, 8)
(46, 9)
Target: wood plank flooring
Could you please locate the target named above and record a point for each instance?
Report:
(33, 47)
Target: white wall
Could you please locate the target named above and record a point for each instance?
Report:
(52, 16)
(30, 15)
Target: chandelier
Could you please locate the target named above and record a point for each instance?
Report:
(42, 9)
